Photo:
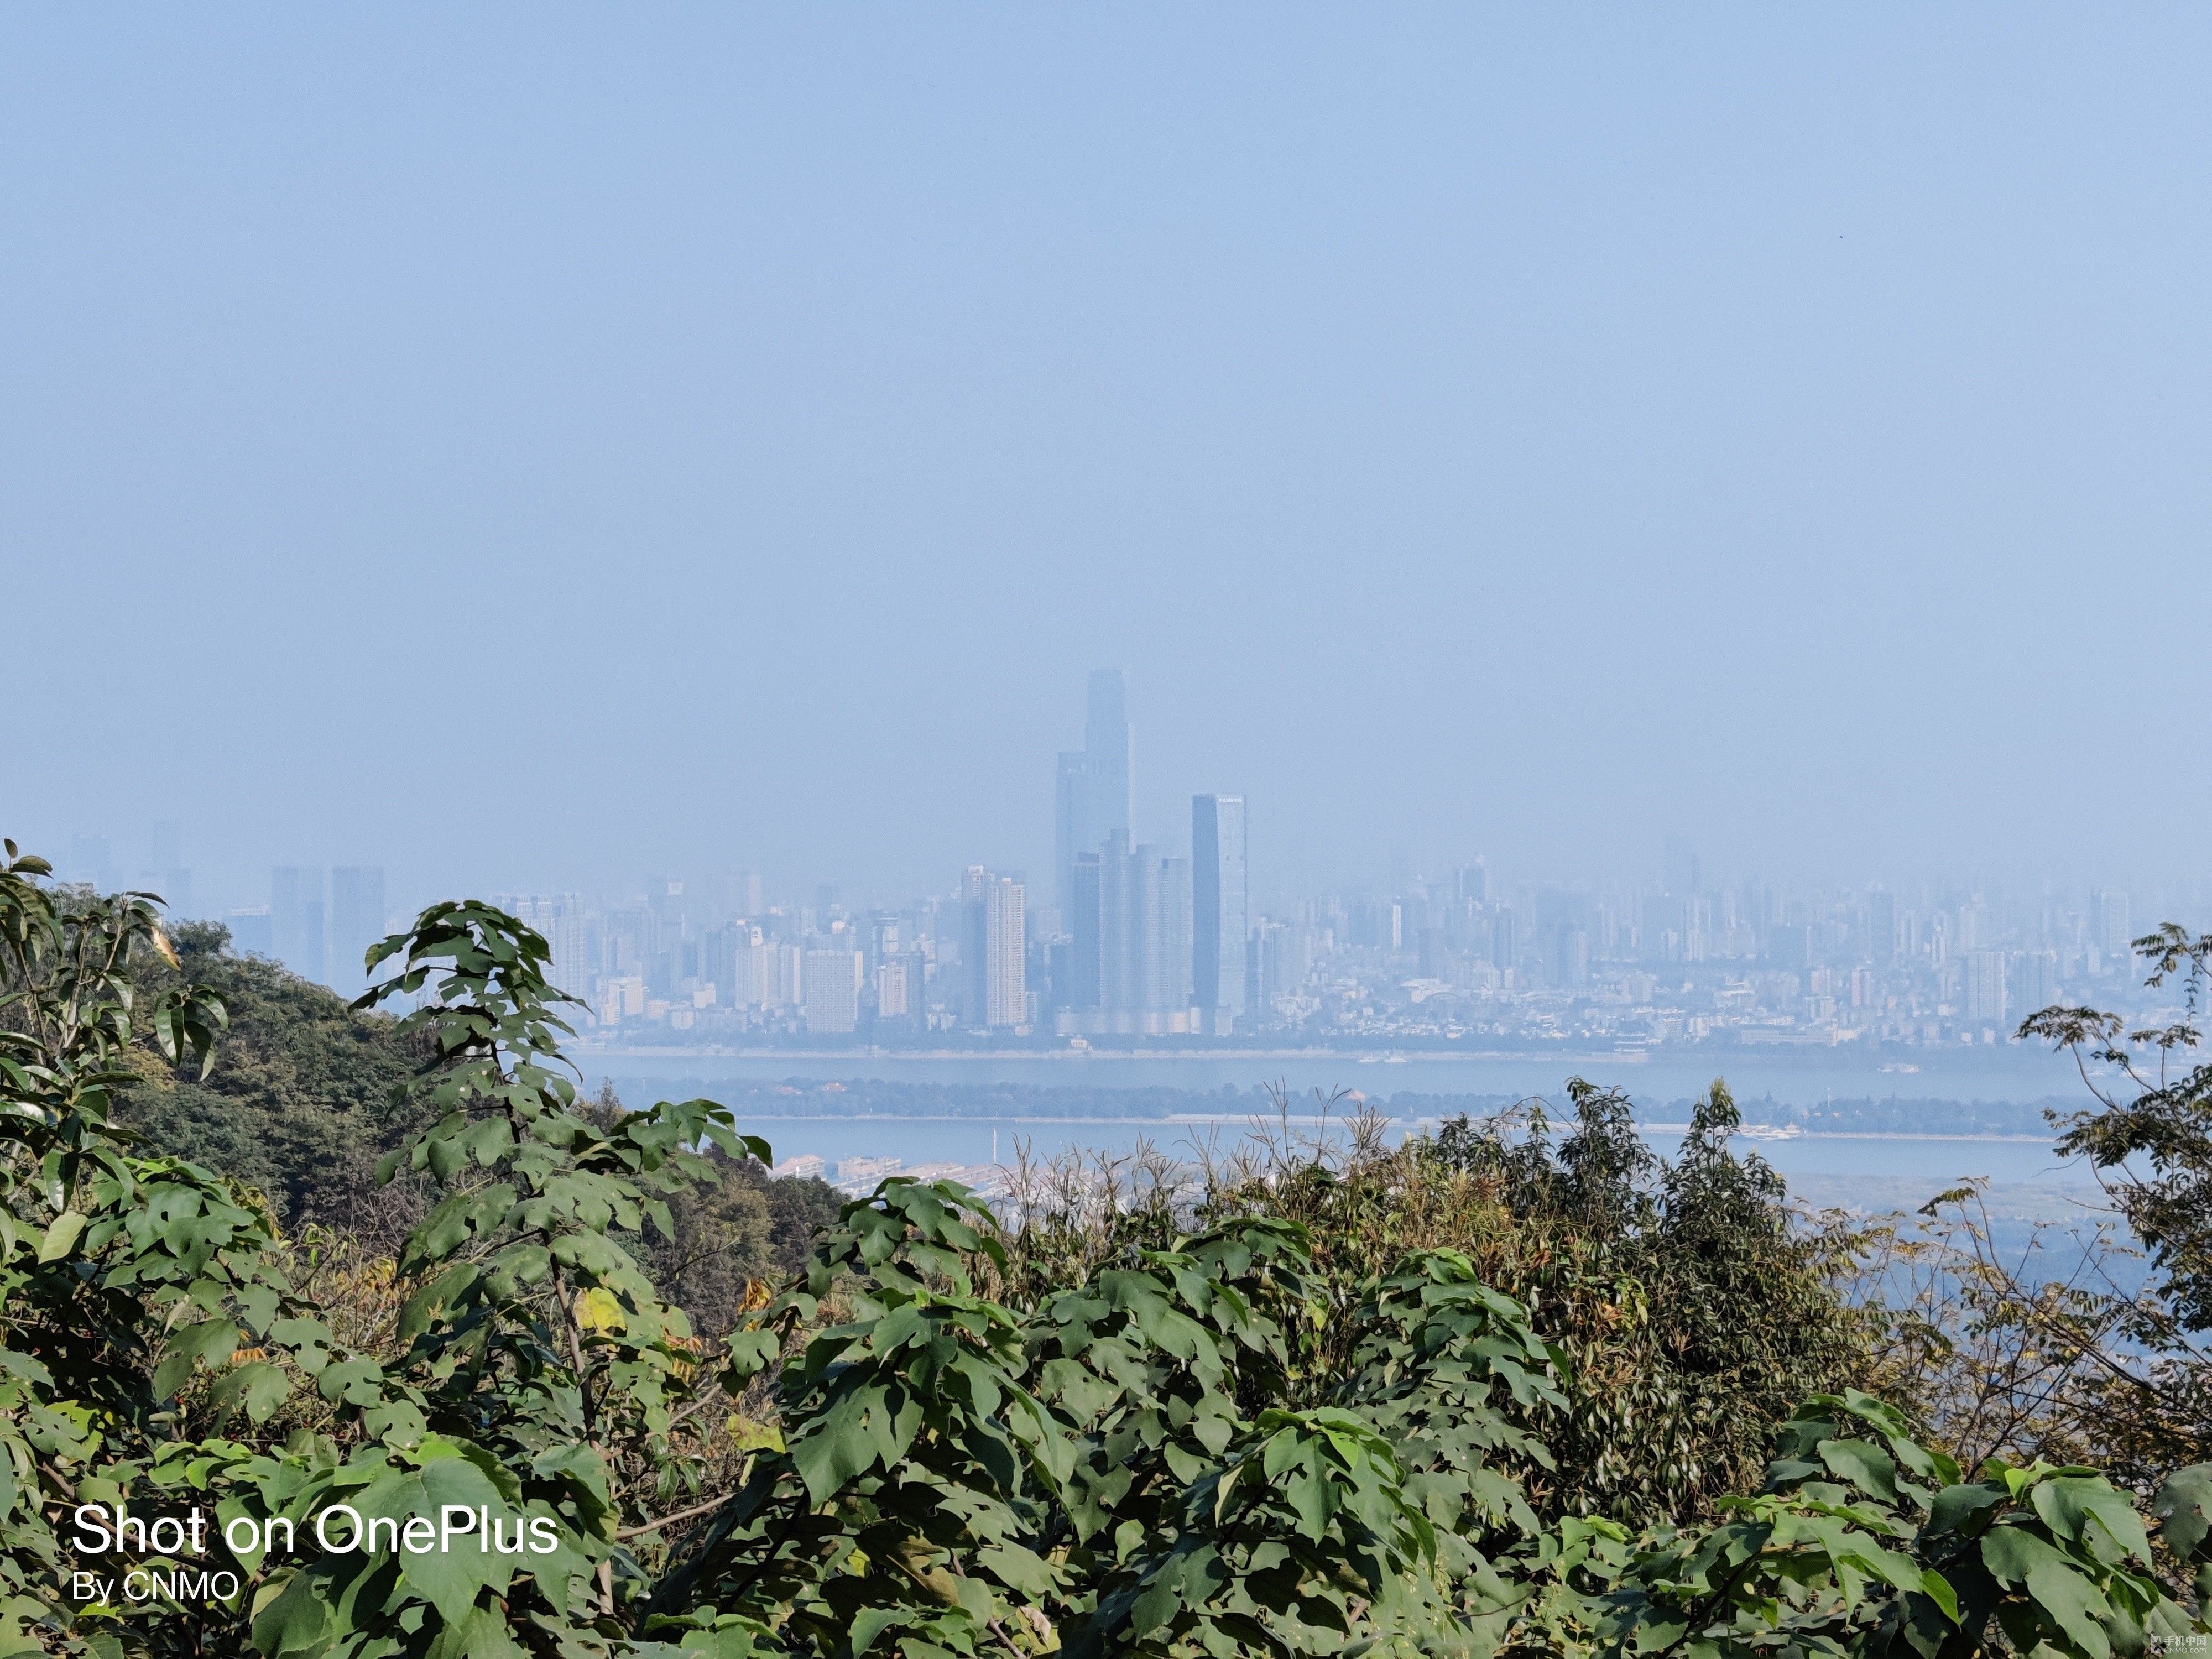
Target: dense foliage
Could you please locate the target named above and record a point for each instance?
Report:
(1411, 1404)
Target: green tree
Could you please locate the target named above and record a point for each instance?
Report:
(309, 1094)
(1693, 1310)
(143, 1301)
(1260, 1435)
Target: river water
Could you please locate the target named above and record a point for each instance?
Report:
(1834, 1165)
(2006, 1072)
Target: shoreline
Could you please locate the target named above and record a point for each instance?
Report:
(1187, 1120)
(1939, 1061)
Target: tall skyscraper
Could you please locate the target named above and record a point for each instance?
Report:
(1071, 818)
(1138, 932)
(2108, 922)
(1005, 949)
(745, 892)
(1474, 884)
(1145, 968)
(356, 920)
(1092, 788)
(974, 988)
(295, 919)
(1985, 985)
(1219, 920)
(1881, 928)
(1108, 746)
(571, 937)
(1082, 922)
(1504, 940)
(994, 947)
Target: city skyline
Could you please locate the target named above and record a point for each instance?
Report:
(1138, 941)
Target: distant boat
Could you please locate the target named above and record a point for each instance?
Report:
(1770, 1131)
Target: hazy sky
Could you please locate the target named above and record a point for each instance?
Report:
(536, 446)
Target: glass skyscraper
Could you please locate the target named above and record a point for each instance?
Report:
(1092, 788)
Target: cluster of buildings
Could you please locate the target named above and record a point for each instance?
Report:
(1139, 943)
(1135, 942)
(319, 921)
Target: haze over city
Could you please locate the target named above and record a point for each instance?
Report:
(541, 459)
(968, 832)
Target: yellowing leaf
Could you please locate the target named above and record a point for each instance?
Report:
(599, 1310)
(749, 1436)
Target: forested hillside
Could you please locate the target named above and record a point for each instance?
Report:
(1517, 1388)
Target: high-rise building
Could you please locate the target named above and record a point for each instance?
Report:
(880, 940)
(833, 990)
(1789, 945)
(295, 919)
(1219, 920)
(994, 946)
(1436, 954)
(1659, 927)
(1505, 941)
(1092, 794)
(1474, 885)
(1070, 817)
(892, 1001)
(1985, 985)
(1110, 752)
(2035, 981)
(1084, 924)
(1167, 950)
(1881, 928)
(748, 967)
(1574, 958)
(975, 984)
(357, 921)
(1005, 981)
(1139, 932)
(2109, 925)
(769, 972)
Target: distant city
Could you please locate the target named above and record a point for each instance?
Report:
(1131, 944)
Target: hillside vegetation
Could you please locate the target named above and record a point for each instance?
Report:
(1516, 1388)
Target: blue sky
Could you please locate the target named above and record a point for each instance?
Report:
(537, 447)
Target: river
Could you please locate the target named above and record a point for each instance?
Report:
(1832, 1165)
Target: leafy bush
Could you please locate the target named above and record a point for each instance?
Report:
(1304, 1423)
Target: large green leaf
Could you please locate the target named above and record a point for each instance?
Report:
(1864, 1464)
(2184, 1507)
(2087, 1510)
